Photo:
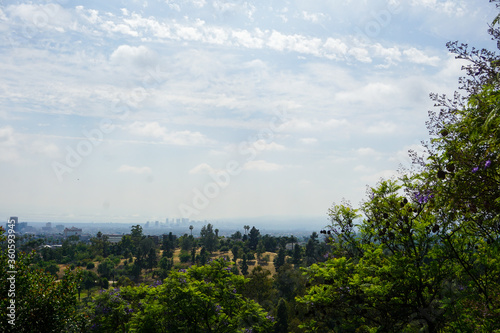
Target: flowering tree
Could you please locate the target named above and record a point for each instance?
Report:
(200, 299)
(423, 255)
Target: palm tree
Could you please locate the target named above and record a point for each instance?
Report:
(191, 228)
(217, 233)
(246, 227)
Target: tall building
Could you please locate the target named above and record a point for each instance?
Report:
(13, 220)
(48, 227)
(72, 232)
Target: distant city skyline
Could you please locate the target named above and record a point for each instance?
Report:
(206, 110)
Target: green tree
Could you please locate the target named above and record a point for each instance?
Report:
(235, 250)
(208, 238)
(281, 325)
(105, 268)
(89, 280)
(186, 242)
(100, 245)
(260, 287)
(280, 258)
(236, 236)
(297, 255)
(244, 266)
(289, 282)
(203, 256)
(152, 259)
(169, 242)
(253, 238)
(52, 269)
(40, 300)
(200, 299)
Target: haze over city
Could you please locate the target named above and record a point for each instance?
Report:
(141, 111)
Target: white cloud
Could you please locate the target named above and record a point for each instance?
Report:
(363, 169)
(261, 165)
(202, 168)
(375, 177)
(449, 7)
(155, 130)
(3, 17)
(360, 54)
(90, 15)
(246, 39)
(132, 169)
(198, 3)
(419, 57)
(48, 149)
(334, 48)
(140, 56)
(152, 129)
(384, 127)
(302, 125)
(40, 17)
(8, 143)
(313, 17)
(367, 151)
(308, 141)
(391, 55)
(7, 137)
(186, 138)
(262, 145)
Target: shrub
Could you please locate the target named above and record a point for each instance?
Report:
(184, 256)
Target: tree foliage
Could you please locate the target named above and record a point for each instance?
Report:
(421, 253)
(200, 299)
(39, 300)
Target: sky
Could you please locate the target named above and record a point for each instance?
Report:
(130, 111)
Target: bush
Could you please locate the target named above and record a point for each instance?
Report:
(104, 283)
(52, 269)
(184, 256)
(124, 281)
(266, 258)
(90, 265)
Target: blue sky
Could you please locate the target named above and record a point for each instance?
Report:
(128, 111)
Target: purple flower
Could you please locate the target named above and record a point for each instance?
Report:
(487, 164)
(271, 318)
(182, 270)
(475, 169)
(423, 197)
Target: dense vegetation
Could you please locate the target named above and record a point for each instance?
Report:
(421, 254)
